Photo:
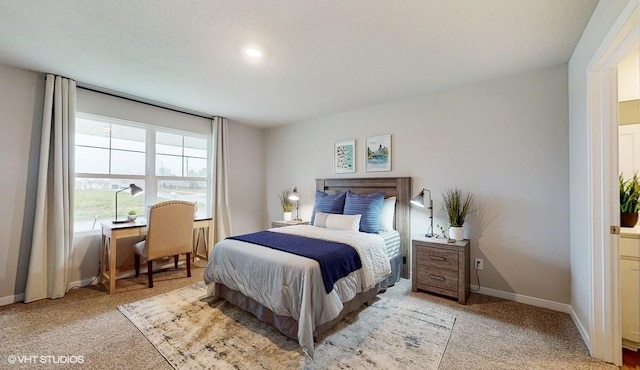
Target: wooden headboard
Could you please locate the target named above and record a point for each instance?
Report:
(399, 187)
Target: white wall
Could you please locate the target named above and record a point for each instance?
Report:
(601, 21)
(21, 97)
(629, 77)
(505, 140)
(246, 178)
(110, 106)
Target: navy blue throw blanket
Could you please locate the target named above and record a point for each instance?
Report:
(336, 260)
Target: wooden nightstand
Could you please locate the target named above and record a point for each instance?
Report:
(288, 223)
(441, 267)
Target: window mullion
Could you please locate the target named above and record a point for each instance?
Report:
(152, 182)
(110, 145)
(210, 173)
(183, 159)
(108, 176)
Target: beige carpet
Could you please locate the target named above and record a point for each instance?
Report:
(489, 333)
(391, 333)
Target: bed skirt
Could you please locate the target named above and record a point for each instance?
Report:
(286, 324)
(396, 270)
(289, 326)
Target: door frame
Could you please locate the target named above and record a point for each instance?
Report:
(604, 207)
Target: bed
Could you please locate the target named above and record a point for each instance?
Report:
(289, 290)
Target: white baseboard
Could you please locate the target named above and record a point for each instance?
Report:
(583, 332)
(538, 302)
(11, 299)
(90, 281)
(123, 274)
(20, 297)
(630, 345)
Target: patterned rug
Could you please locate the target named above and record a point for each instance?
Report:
(395, 332)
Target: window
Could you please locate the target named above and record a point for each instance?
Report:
(181, 169)
(110, 154)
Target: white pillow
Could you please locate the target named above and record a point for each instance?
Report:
(337, 222)
(386, 214)
(321, 219)
(343, 222)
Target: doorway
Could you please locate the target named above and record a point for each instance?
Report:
(603, 186)
(629, 242)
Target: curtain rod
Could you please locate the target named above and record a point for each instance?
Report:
(143, 102)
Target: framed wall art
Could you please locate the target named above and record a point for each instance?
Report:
(378, 153)
(344, 156)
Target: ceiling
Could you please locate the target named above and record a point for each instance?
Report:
(319, 57)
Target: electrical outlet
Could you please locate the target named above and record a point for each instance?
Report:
(479, 264)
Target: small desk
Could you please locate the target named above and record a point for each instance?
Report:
(112, 232)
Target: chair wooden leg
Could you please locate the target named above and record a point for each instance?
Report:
(150, 272)
(137, 264)
(175, 261)
(188, 264)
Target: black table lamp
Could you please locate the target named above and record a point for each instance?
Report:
(419, 201)
(135, 190)
(295, 197)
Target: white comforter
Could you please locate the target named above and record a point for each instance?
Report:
(292, 285)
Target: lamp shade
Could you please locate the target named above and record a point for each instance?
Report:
(419, 199)
(294, 194)
(135, 190)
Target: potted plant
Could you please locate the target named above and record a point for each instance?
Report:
(629, 200)
(286, 204)
(132, 215)
(457, 207)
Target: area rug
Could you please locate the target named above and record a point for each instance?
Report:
(395, 332)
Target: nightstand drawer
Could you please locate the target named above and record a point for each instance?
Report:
(444, 279)
(439, 258)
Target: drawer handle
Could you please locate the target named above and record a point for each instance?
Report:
(437, 258)
(436, 277)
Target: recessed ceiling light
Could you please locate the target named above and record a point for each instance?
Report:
(253, 52)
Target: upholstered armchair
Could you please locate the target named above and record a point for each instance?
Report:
(169, 233)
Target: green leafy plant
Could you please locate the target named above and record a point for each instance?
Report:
(132, 212)
(629, 194)
(457, 206)
(286, 204)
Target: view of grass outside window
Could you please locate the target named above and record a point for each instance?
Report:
(111, 154)
(181, 165)
(191, 191)
(95, 201)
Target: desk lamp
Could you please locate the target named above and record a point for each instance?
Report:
(135, 190)
(419, 201)
(295, 197)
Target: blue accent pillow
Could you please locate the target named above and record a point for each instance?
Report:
(367, 205)
(328, 203)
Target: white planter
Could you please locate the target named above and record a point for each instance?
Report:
(287, 216)
(455, 233)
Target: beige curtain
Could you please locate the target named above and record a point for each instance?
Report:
(52, 240)
(220, 205)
